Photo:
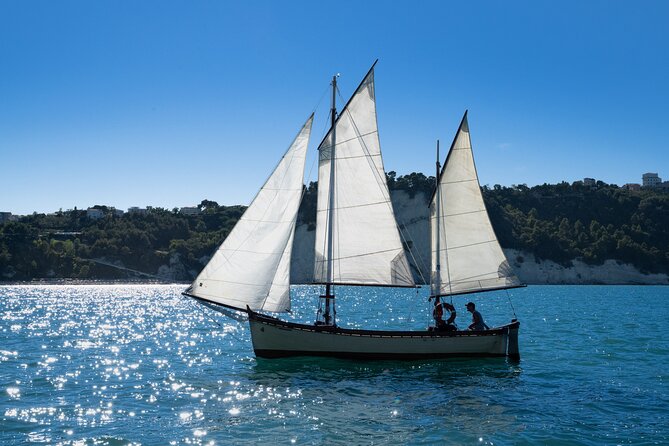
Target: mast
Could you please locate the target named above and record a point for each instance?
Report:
(436, 285)
(357, 241)
(329, 297)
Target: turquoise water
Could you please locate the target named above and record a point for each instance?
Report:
(96, 365)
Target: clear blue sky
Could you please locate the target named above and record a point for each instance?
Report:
(163, 103)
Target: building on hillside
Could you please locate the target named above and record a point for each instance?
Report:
(66, 234)
(118, 212)
(632, 186)
(94, 214)
(190, 210)
(589, 182)
(136, 210)
(651, 179)
(664, 185)
(5, 217)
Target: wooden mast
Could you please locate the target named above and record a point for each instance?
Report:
(436, 285)
(328, 317)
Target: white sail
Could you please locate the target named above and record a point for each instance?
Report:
(252, 265)
(367, 249)
(469, 256)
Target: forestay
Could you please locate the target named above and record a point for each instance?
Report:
(367, 249)
(252, 266)
(470, 256)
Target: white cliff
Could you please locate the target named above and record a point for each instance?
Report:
(412, 216)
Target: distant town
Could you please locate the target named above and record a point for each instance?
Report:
(649, 180)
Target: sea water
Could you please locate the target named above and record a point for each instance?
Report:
(140, 364)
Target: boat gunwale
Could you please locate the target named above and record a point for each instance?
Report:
(269, 320)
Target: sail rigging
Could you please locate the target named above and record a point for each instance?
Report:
(252, 266)
(357, 239)
(357, 242)
(464, 244)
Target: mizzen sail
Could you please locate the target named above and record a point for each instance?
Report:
(469, 256)
(252, 265)
(366, 245)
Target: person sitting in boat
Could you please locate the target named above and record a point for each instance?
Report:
(477, 320)
(438, 314)
(449, 325)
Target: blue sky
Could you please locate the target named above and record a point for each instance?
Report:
(166, 103)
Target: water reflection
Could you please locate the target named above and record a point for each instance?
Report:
(439, 370)
(389, 395)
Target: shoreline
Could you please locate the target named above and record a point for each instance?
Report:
(67, 281)
(185, 284)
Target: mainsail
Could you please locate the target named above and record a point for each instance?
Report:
(252, 265)
(464, 244)
(366, 245)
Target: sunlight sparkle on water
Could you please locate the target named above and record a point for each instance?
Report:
(13, 392)
(114, 364)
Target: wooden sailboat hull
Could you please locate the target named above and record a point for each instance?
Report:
(274, 338)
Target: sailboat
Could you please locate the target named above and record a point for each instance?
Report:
(358, 243)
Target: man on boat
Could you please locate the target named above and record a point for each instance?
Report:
(477, 320)
(438, 314)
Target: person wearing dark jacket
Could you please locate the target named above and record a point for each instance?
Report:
(477, 320)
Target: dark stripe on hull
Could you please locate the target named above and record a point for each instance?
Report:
(275, 354)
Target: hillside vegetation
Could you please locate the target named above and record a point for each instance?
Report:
(559, 222)
(62, 245)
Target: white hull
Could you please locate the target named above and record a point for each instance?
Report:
(273, 338)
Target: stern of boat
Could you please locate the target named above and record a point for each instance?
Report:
(512, 350)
